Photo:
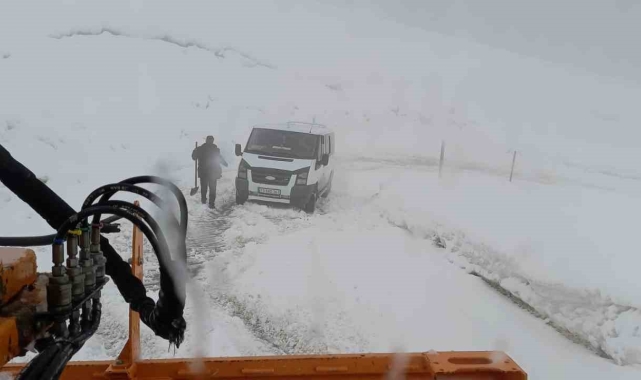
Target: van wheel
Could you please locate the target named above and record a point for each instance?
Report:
(310, 207)
(329, 186)
(240, 199)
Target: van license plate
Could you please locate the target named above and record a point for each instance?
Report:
(263, 190)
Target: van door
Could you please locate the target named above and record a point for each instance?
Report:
(330, 168)
(324, 173)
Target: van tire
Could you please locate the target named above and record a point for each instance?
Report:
(329, 186)
(310, 207)
(240, 200)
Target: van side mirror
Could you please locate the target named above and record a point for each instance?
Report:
(239, 151)
(325, 159)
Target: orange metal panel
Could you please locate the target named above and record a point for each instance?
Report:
(443, 365)
(17, 269)
(9, 347)
(125, 365)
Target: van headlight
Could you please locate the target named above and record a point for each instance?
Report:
(301, 178)
(242, 169)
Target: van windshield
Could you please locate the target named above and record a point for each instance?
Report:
(282, 143)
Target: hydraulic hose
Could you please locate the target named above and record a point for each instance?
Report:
(26, 241)
(40, 364)
(24, 183)
(163, 317)
(166, 318)
(59, 362)
(108, 190)
(182, 202)
(45, 240)
(113, 188)
(51, 362)
(159, 246)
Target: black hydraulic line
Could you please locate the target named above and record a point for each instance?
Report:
(60, 361)
(115, 187)
(158, 316)
(35, 368)
(181, 246)
(51, 362)
(24, 183)
(111, 219)
(109, 190)
(159, 245)
(180, 197)
(45, 240)
(167, 316)
(26, 241)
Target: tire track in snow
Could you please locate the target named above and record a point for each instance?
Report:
(209, 234)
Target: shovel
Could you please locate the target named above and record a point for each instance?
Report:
(194, 189)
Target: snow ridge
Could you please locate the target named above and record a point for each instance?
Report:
(184, 43)
(586, 317)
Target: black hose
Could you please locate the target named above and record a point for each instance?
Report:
(59, 362)
(50, 363)
(35, 368)
(26, 241)
(180, 197)
(159, 246)
(113, 188)
(108, 190)
(150, 221)
(45, 240)
(171, 297)
(22, 182)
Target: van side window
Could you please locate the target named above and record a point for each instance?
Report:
(331, 148)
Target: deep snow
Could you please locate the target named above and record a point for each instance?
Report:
(93, 95)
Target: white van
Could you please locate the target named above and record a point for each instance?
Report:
(286, 163)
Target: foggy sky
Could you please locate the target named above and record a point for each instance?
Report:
(601, 36)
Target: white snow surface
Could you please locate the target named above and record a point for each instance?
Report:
(93, 94)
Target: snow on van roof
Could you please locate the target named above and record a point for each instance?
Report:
(296, 126)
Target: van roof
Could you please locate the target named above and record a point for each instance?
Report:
(297, 126)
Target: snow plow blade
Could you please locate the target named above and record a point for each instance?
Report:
(128, 366)
(443, 365)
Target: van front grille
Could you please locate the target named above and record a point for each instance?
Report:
(271, 176)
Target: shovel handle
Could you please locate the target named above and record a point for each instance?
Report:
(196, 169)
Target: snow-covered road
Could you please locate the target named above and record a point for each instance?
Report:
(351, 278)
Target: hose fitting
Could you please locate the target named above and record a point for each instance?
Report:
(59, 291)
(98, 258)
(86, 262)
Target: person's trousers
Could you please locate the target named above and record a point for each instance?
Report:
(208, 183)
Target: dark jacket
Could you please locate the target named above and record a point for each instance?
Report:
(209, 160)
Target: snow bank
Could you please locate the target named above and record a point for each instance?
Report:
(541, 243)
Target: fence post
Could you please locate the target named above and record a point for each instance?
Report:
(512, 170)
(440, 162)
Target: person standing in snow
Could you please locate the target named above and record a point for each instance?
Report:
(209, 170)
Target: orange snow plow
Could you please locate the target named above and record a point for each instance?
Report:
(23, 294)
